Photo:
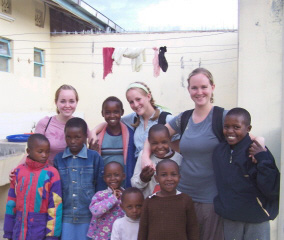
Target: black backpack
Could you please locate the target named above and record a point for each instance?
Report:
(217, 122)
(161, 119)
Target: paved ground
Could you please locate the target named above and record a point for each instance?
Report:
(1, 229)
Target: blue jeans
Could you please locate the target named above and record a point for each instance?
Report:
(75, 231)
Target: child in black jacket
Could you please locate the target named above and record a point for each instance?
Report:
(248, 189)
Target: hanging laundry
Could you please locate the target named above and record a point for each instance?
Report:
(118, 54)
(137, 56)
(156, 62)
(162, 59)
(108, 61)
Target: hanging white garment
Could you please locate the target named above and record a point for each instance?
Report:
(118, 54)
(137, 56)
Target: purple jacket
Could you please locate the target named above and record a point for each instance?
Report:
(34, 204)
(105, 208)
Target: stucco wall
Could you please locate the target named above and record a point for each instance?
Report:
(260, 74)
(20, 91)
(74, 62)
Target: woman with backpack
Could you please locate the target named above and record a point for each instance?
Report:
(201, 130)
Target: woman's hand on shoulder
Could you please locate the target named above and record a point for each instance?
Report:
(12, 174)
(93, 136)
(256, 147)
(94, 145)
(94, 132)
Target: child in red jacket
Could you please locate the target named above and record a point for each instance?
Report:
(34, 204)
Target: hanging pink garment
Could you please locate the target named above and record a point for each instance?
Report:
(156, 62)
(108, 61)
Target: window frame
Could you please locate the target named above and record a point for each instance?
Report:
(40, 64)
(7, 57)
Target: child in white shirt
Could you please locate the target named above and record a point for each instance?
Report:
(126, 228)
(159, 140)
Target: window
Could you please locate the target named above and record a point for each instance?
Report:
(5, 55)
(6, 6)
(38, 63)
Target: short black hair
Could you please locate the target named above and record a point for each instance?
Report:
(112, 99)
(240, 112)
(165, 161)
(77, 123)
(122, 168)
(131, 190)
(36, 137)
(158, 128)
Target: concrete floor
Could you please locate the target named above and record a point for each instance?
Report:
(1, 229)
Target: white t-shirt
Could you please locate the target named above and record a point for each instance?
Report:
(125, 229)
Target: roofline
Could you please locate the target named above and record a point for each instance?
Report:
(87, 13)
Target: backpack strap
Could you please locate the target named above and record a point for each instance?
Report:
(217, 123)
(47, 125)
(184, 120)
(135, 118)
(162, 117)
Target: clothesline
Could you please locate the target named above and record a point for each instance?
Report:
(91, 54)
(195, 46)
(129, 33)
(125, 64)
(114, 41)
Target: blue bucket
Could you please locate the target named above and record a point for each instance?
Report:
(18, 138)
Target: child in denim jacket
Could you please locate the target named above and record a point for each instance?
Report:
(80, 171)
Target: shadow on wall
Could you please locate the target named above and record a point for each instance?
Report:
(273, 142)
(276, 10)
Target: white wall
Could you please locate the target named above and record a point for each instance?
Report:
(20, 91)
(260, 74)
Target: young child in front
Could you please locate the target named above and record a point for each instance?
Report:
(115, 141)
(248, 189)
(81, 173)
(34, 204)
(159, 140)
(126, 228)
(168, 214)
(105, 205)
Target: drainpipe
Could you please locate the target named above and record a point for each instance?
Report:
(281, 202)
